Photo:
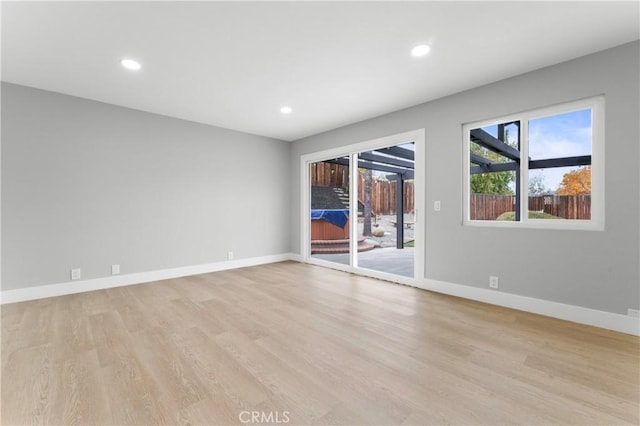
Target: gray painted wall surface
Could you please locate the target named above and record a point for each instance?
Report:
(592, 269)
(86, 185)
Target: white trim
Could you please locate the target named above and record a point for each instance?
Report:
(71, 287)
(305, 208)
(370, 273)
(560, 225)
(597, 222)
(607, 320)
(369, 145)
(354, 177)
(419, 201)
(616, 322)
(418, 138)
(524, 172)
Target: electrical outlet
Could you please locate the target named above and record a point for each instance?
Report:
(437, 205)
(115, 269)
(493, 281)
(633, 313)
(75, 274)
(230, 255)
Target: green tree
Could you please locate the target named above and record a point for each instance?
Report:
(537, 186)
(492, 183)
(496, 183)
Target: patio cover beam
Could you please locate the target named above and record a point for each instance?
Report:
(486, 140)
(371, 166)
(477, 159)
(399, 212)
(397, 151)
(394, 177)
(370, 156)
(580, 160)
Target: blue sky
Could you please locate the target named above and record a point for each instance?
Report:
(557, 136)
(564, 135)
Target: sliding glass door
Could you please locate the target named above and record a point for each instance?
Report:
(330, 216)
(360, 213)
(386, 227)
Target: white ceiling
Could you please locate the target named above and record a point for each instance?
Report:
(234, 64)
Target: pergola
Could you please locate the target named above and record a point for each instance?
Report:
(399, 163)
(497, 145)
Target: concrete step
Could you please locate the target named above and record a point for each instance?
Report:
(319, 243)
(343, 247)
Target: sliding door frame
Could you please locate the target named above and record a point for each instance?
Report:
(352, 151)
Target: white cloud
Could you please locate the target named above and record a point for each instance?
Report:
(556, 137)
(549, 143)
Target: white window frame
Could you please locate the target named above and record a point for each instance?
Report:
(597, 221)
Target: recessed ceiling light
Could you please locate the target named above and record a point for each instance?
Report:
(286, 110)
(130, 64)
(420, 50)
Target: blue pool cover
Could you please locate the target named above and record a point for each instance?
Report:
(336, 217)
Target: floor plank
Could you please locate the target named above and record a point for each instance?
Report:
(309, 345)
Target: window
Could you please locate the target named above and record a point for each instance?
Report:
(561, 182)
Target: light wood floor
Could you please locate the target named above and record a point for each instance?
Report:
(307, 344)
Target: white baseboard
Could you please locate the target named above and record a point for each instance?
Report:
(616, 322)
(71, 287)
(608, 320)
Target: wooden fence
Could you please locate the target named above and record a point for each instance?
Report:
(328, 174)
(383, 196)
(383, 193)
(489, 207)
(565, 206)
(483, 207)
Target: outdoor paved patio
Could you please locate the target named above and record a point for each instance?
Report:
(389, 259)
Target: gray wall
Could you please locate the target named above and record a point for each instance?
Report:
(87, 184)
(585, 268)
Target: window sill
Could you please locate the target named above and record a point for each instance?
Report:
(556, 225)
